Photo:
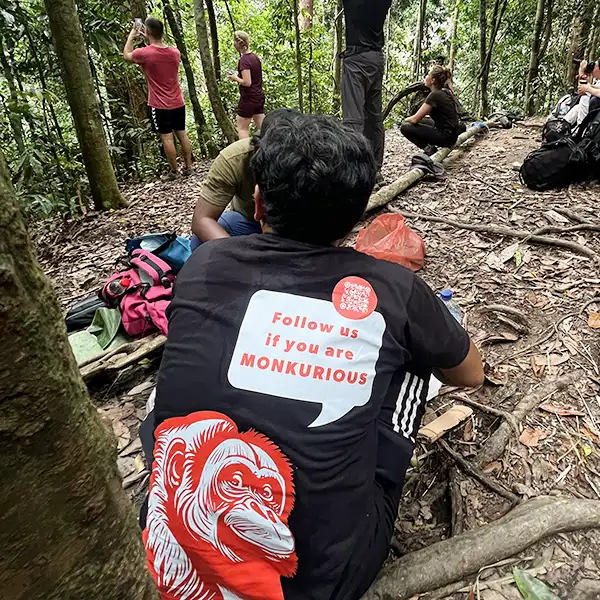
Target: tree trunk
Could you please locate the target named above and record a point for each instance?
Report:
(138, 9)
(70, 48)
(306, 14)
(579, 36)
(298, 56)
(204, 137)
(592, 45)
(482, 53)
(214, 37)
(337, 61)
(209, 74)
(534, 58)
(453, 32)
(14, 117)
(67, 530)
(418, 45)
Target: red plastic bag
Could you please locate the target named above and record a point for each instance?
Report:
(390, 238)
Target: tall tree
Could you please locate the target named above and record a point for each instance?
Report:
(204, 138)
(138, 9)
(486, 49)
(12, 107)
(298, 56)
(209, 74)
(306, 14)
(77, 77)
(67, 530)
(539, 43)
(418, 43)
(453, 32)
(214, 37)
(584, 10)
(337, 60)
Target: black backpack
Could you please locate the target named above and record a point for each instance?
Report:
(555, 129)
(556, 164)
(588, 143)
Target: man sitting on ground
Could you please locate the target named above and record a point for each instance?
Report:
(166, 108)
(230, 180)
(291, 389)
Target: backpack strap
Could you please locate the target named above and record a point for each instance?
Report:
(584, 124)
(151, 264)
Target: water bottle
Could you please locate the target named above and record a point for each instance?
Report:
(451, 305)
(117, 287)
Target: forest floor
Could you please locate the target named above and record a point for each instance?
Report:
(554, 331)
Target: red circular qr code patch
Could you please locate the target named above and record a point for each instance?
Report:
(354, 298)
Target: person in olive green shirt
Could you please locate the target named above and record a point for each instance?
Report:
(230, 180)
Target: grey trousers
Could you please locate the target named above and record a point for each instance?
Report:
(362, 82)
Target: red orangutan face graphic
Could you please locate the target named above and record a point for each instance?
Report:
(217, 512)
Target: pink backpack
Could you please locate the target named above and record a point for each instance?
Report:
(142, 292)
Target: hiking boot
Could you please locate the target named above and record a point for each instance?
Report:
(170, 176)
(430, 150)
(186, 171)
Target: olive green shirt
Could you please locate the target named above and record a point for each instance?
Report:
(230, 180)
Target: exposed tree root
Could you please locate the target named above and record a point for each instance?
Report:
(468, 468)
(496, 445)
(407, 91)
(454, 559)
(505, 231)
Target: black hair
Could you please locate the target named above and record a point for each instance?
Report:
(272, 117)
(155, 28)
(315, 177)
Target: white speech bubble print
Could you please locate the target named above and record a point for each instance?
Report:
(301, 348)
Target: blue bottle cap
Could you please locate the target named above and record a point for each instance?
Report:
(446, 295)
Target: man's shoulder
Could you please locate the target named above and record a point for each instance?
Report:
(241, 148)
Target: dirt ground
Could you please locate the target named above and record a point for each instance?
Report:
(554, 331)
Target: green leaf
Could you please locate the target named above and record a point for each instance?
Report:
(105, 325)
(84, 345)
(518, 257)
(532, 588)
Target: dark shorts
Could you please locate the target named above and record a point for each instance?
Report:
(248, 107)
(164, 120)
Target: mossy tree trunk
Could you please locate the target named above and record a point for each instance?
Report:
(67, 530)
(209, 74)
(204, 140)
(77, 77)
(214, 37)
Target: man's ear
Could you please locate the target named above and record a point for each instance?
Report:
(259, 205)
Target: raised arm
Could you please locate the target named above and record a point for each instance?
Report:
(128, 50)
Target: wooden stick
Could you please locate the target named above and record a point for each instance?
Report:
(458, 557)
(456, 502)
(389, 192)
(505, 231)
(497, 442)
(150, 344)
(468, 468)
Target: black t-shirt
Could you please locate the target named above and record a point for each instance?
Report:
(443, 110)
(364, 22)
(291, 375)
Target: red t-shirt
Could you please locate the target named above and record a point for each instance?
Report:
(161, 68)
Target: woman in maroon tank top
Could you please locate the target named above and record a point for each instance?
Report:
(251, 106)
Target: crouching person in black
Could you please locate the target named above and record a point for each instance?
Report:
(442, 128)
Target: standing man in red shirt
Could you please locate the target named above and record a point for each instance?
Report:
(166, 108)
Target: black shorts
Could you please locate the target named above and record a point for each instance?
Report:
(163, 120)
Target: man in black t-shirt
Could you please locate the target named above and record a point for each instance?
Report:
(363, 69)
(293, 381)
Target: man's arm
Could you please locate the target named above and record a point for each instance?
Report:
(128, 50)
(469, 373)
(436, 340)
(205, 221)
(587, 88)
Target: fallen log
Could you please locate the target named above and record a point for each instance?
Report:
(389, 192)
(123, 356)
(526, 236)
(454, 559)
